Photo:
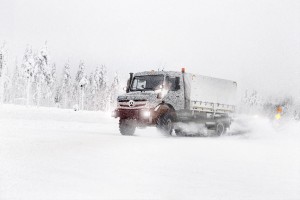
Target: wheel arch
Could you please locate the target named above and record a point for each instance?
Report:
(166, 108)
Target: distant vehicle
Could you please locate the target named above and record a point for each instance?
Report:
(282, 110)
(164, 98)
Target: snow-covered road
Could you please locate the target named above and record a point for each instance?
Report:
(49, 153)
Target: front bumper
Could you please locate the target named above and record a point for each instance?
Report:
(141, 115)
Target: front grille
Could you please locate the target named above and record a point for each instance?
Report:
(123, 100)
(135, 100)
(127, 106)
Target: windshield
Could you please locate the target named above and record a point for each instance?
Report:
(150, 82)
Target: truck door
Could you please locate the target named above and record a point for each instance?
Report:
(175, 95)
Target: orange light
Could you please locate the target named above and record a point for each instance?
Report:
(279, 109)
(183, 70)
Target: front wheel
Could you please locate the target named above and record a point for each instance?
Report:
(127, 126)
(165, 124)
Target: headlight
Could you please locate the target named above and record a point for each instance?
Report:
(146, 113)
(114, 114)
(164, 92)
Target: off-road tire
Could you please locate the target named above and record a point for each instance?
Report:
(180, 132)
(220, 129)
(127, 126)
(165, 124)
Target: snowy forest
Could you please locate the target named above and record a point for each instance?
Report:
(36, 81)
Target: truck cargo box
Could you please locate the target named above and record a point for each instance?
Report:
(207, 94)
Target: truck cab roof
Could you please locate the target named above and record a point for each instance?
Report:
(170, 73)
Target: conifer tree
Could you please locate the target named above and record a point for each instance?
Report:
(4, 79)
(27, 69)
(114, 90)
(77, 91)
(66, 87)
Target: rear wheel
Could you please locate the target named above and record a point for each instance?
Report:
(127, 126)
(220, 128)
(180, 132)
(165, 124)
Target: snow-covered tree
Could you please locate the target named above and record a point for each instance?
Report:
(27, 70)
(52, 84)
(66, 88)
(250, 101)
(42, 77)
(91, 93)
(102, 90)
(77, 89)
(83, 87)
(18, 87)
(80, 73)
(2, 62)
(114, 90)
(4, 79)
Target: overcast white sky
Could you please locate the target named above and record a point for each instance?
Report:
(255, 42)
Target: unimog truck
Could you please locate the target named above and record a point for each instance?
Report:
(167, 98)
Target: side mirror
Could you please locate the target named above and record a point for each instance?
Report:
(129, 82)
(128, 85)
(177, 83)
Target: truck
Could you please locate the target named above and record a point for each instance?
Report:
(166, 99)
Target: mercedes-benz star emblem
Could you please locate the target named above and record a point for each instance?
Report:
(131, 102)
